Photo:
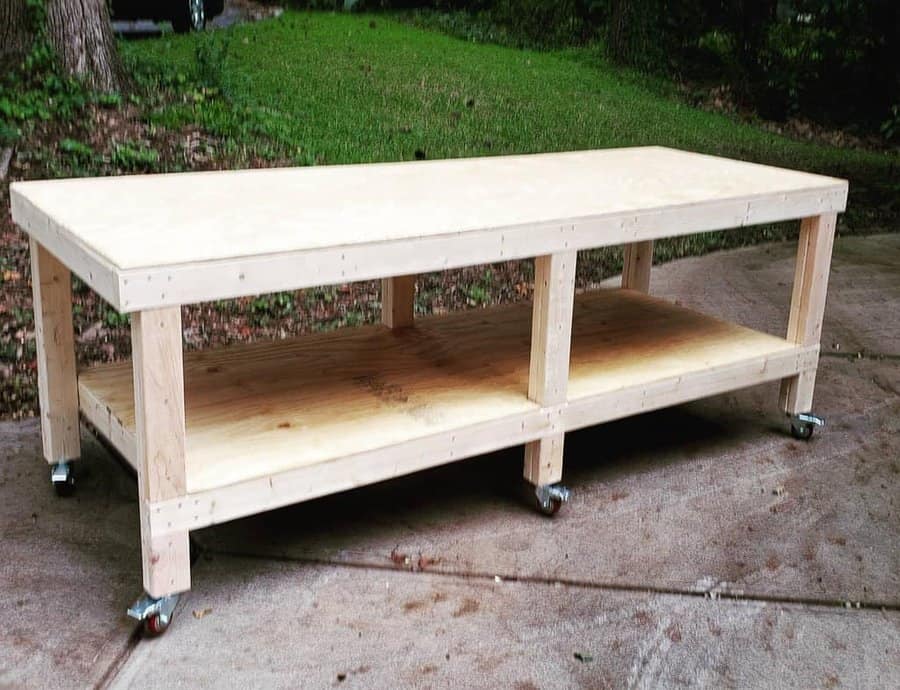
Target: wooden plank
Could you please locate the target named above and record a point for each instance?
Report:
(128, 219)
(194, 282)
(257, 494)
(108, 424)
(637, 264)
(808, 304)
(551, 338)
(55, 351)
(160, 446)
(398, 301)
(216, 505)
(370, 388)
(608, 405)
(94, 270)
(405, 219)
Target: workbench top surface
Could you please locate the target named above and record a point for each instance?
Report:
(140, 221)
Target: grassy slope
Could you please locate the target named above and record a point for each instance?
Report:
(349, 88)
(324, 88)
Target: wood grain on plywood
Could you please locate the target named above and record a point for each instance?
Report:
(141, 221)
(264, 408)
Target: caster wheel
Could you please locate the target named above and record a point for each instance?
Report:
(802, 430)
(551, 508)
(803, 426)
(550, 498)
(155, 614)
(154, 626)
(63, 477)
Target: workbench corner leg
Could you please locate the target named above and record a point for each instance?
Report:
(551, 340)
(811, 272)
(398, 301)
(55, 352)
(637, 265)
(544, 460)
(165, 559)
(157, 357)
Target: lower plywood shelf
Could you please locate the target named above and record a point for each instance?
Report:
(331, 411)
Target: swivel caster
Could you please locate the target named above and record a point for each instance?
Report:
(62, 474)
(155, 614)
(803, 425)
(551, 497)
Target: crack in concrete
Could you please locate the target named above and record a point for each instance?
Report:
(582, 584)
(862, 354)
(118, 663)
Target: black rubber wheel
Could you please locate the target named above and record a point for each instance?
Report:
(802, 431)
(188, 15)
(66, 488)
(214, 8)
(154, 626)
(551, 509)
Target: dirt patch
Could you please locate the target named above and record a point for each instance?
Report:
(468, 607)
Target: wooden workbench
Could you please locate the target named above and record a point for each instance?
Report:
(215, 435)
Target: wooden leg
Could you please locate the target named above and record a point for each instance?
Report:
(808, 304)
(398, 297)
(551, 339)
(636, 269)
(55, 341)
(159, 421)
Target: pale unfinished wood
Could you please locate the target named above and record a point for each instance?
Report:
(247, 232)
(262, 409)
(808, 304)
(159, 443)
(55, 351)
(398, 301)
(257, 494)
(551, 338)
(637, 264)
(631, 388)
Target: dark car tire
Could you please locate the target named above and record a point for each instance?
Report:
(214, 8)
(188, 15)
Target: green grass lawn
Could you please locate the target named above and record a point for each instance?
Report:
(320, 88)
(338, 88)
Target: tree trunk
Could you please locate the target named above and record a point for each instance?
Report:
(633, 33)
(14, 34)
(79, 32)
(617, 38)
(81, 35)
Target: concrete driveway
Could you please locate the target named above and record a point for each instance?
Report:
(704, 547)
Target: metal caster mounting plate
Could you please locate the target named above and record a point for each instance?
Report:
(551, 497)
(62, 475)
(803, 425)
(155, 614)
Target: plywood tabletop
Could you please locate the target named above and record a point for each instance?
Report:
(134, 223)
